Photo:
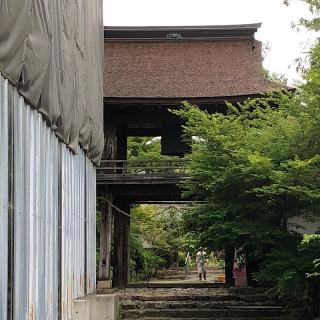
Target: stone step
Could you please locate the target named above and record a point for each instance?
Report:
(177, 271)
(170, 277)
(180, 297)
(202, 297)
(215, 318)
(186, 285)
(131, 305)
(182, 276)
(195, 303)
(194, 274)
(235, 312)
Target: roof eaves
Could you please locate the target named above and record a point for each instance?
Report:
(179, 33)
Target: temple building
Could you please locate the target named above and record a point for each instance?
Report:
(149, 70)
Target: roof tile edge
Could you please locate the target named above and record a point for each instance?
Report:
(179, 33)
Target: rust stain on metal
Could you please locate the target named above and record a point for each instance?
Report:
(31, 312)
(50, 298)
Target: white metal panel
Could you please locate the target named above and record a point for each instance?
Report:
(54, 217)
(4, 178)
(22, 215)
(91, 227)
(36, 216)
(77, 186)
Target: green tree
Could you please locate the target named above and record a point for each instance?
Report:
(146, 148)
(155, 234)
(255, 167)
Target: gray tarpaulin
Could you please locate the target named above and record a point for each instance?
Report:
(52, 50)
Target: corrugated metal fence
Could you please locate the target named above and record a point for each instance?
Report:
(4, 186)
(52, 238)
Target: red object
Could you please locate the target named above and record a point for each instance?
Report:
(239, 271)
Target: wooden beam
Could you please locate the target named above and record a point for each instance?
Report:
(165, 102)
(144, 132)
(144, 192)
(141, 118)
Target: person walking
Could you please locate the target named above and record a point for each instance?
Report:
(201, 260)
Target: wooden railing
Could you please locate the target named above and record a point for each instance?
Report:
(116, 171)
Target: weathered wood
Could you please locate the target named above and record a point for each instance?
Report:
(102, 273)
(121, 245)
(121, 143)
(110, 148)
(105, 239)
(136, 172)
(107, 213)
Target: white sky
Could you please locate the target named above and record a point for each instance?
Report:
(286, 44)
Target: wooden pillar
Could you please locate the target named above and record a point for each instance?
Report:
(121, 223)
(115, 149)
(110, 152)
(110, 147)
(121, 143)
(121, 245)
(105, 239)
(228, 260)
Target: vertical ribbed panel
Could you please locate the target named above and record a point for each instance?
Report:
(54, 217)
(91, 226)
(78, 231)
(4, 179)
(36, 216)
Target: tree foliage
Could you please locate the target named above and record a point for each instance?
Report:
(155, 229)
(145, 148)
(155, 233)
(255, 167)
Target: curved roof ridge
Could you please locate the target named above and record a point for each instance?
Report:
(188, 27)
(180, 33)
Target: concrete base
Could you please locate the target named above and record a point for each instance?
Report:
(97, 307)
(107, 284)
(81, 309)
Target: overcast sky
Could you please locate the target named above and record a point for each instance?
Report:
(286, 44)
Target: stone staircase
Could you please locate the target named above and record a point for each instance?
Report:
(180, 274)
(203, 303)
(171, 274)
